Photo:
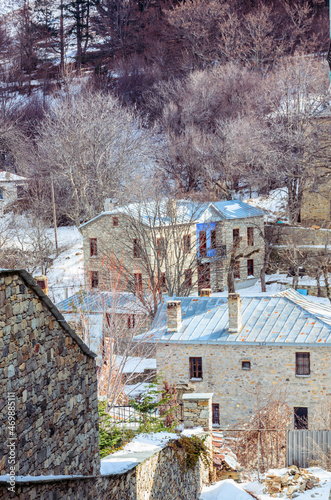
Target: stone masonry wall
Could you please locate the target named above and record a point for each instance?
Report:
(156, 478)
(54, 383)
(237, 390)
(301, 235)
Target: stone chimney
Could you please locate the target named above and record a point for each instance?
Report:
(172, 208)
(109, 205)
(205, 292)
(42, 281)
(234, 305)
(174, 315)
(7, 175)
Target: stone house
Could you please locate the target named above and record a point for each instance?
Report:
(181, 240)
(48, 375)
(242, 349)
(11, 189)
(98, 316)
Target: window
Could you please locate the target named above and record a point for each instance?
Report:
(202, 244)
(136, 249)
(235, 236)
(195, 368)
(236, 270)
(160, 244)
(250, 267)
(94, 279)
(115, 221)
(20, 191)
(213, 239)
(187, 243)
(250, 236)
(302, 363)
(245, 365)
(1, 194)
(131, 321)
(188, 278)
(138, 282)
(216, 413)
(300, 417)
(93, 247)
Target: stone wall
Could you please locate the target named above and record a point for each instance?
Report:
(52, 376)
(315, 207)
(156, 478)
(237, 390)
(300, 235)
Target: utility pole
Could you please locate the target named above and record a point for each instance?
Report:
(54, 218)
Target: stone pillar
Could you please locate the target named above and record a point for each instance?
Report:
(198, 410)
(174, 315)
(234, 305)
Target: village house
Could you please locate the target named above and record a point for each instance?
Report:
(179, 240)
(98, 316)
(243, 349)
(11, 189)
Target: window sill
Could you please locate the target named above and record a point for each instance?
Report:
(196, 379)
(302, 376)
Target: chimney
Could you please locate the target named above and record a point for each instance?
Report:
(234, 305)
(7, 175)
(205, 292)
(174, 315)
(109, 205)
(171, 208)
(42, 282)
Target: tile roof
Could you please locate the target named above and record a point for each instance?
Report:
(155, 214)
(283, 319)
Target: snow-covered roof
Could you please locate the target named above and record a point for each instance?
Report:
(102, 302)
(156, 214)
(9, 177)
(286, 318)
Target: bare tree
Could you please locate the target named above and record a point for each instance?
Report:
(91, 146)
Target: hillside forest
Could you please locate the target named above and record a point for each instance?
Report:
(201, 99)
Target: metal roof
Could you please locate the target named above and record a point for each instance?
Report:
(283, 319)
(156, 214)
(102, 302)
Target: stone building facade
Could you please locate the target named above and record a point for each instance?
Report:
(197, 246)
(237, 390)
(50, 376)
(244, 350)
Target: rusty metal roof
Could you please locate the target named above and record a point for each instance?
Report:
(285, 318)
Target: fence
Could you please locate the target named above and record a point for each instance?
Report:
(127, 416)
(306, 448)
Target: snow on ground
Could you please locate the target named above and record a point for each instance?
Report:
(274, 204)
(225, 490)
(229, 490)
